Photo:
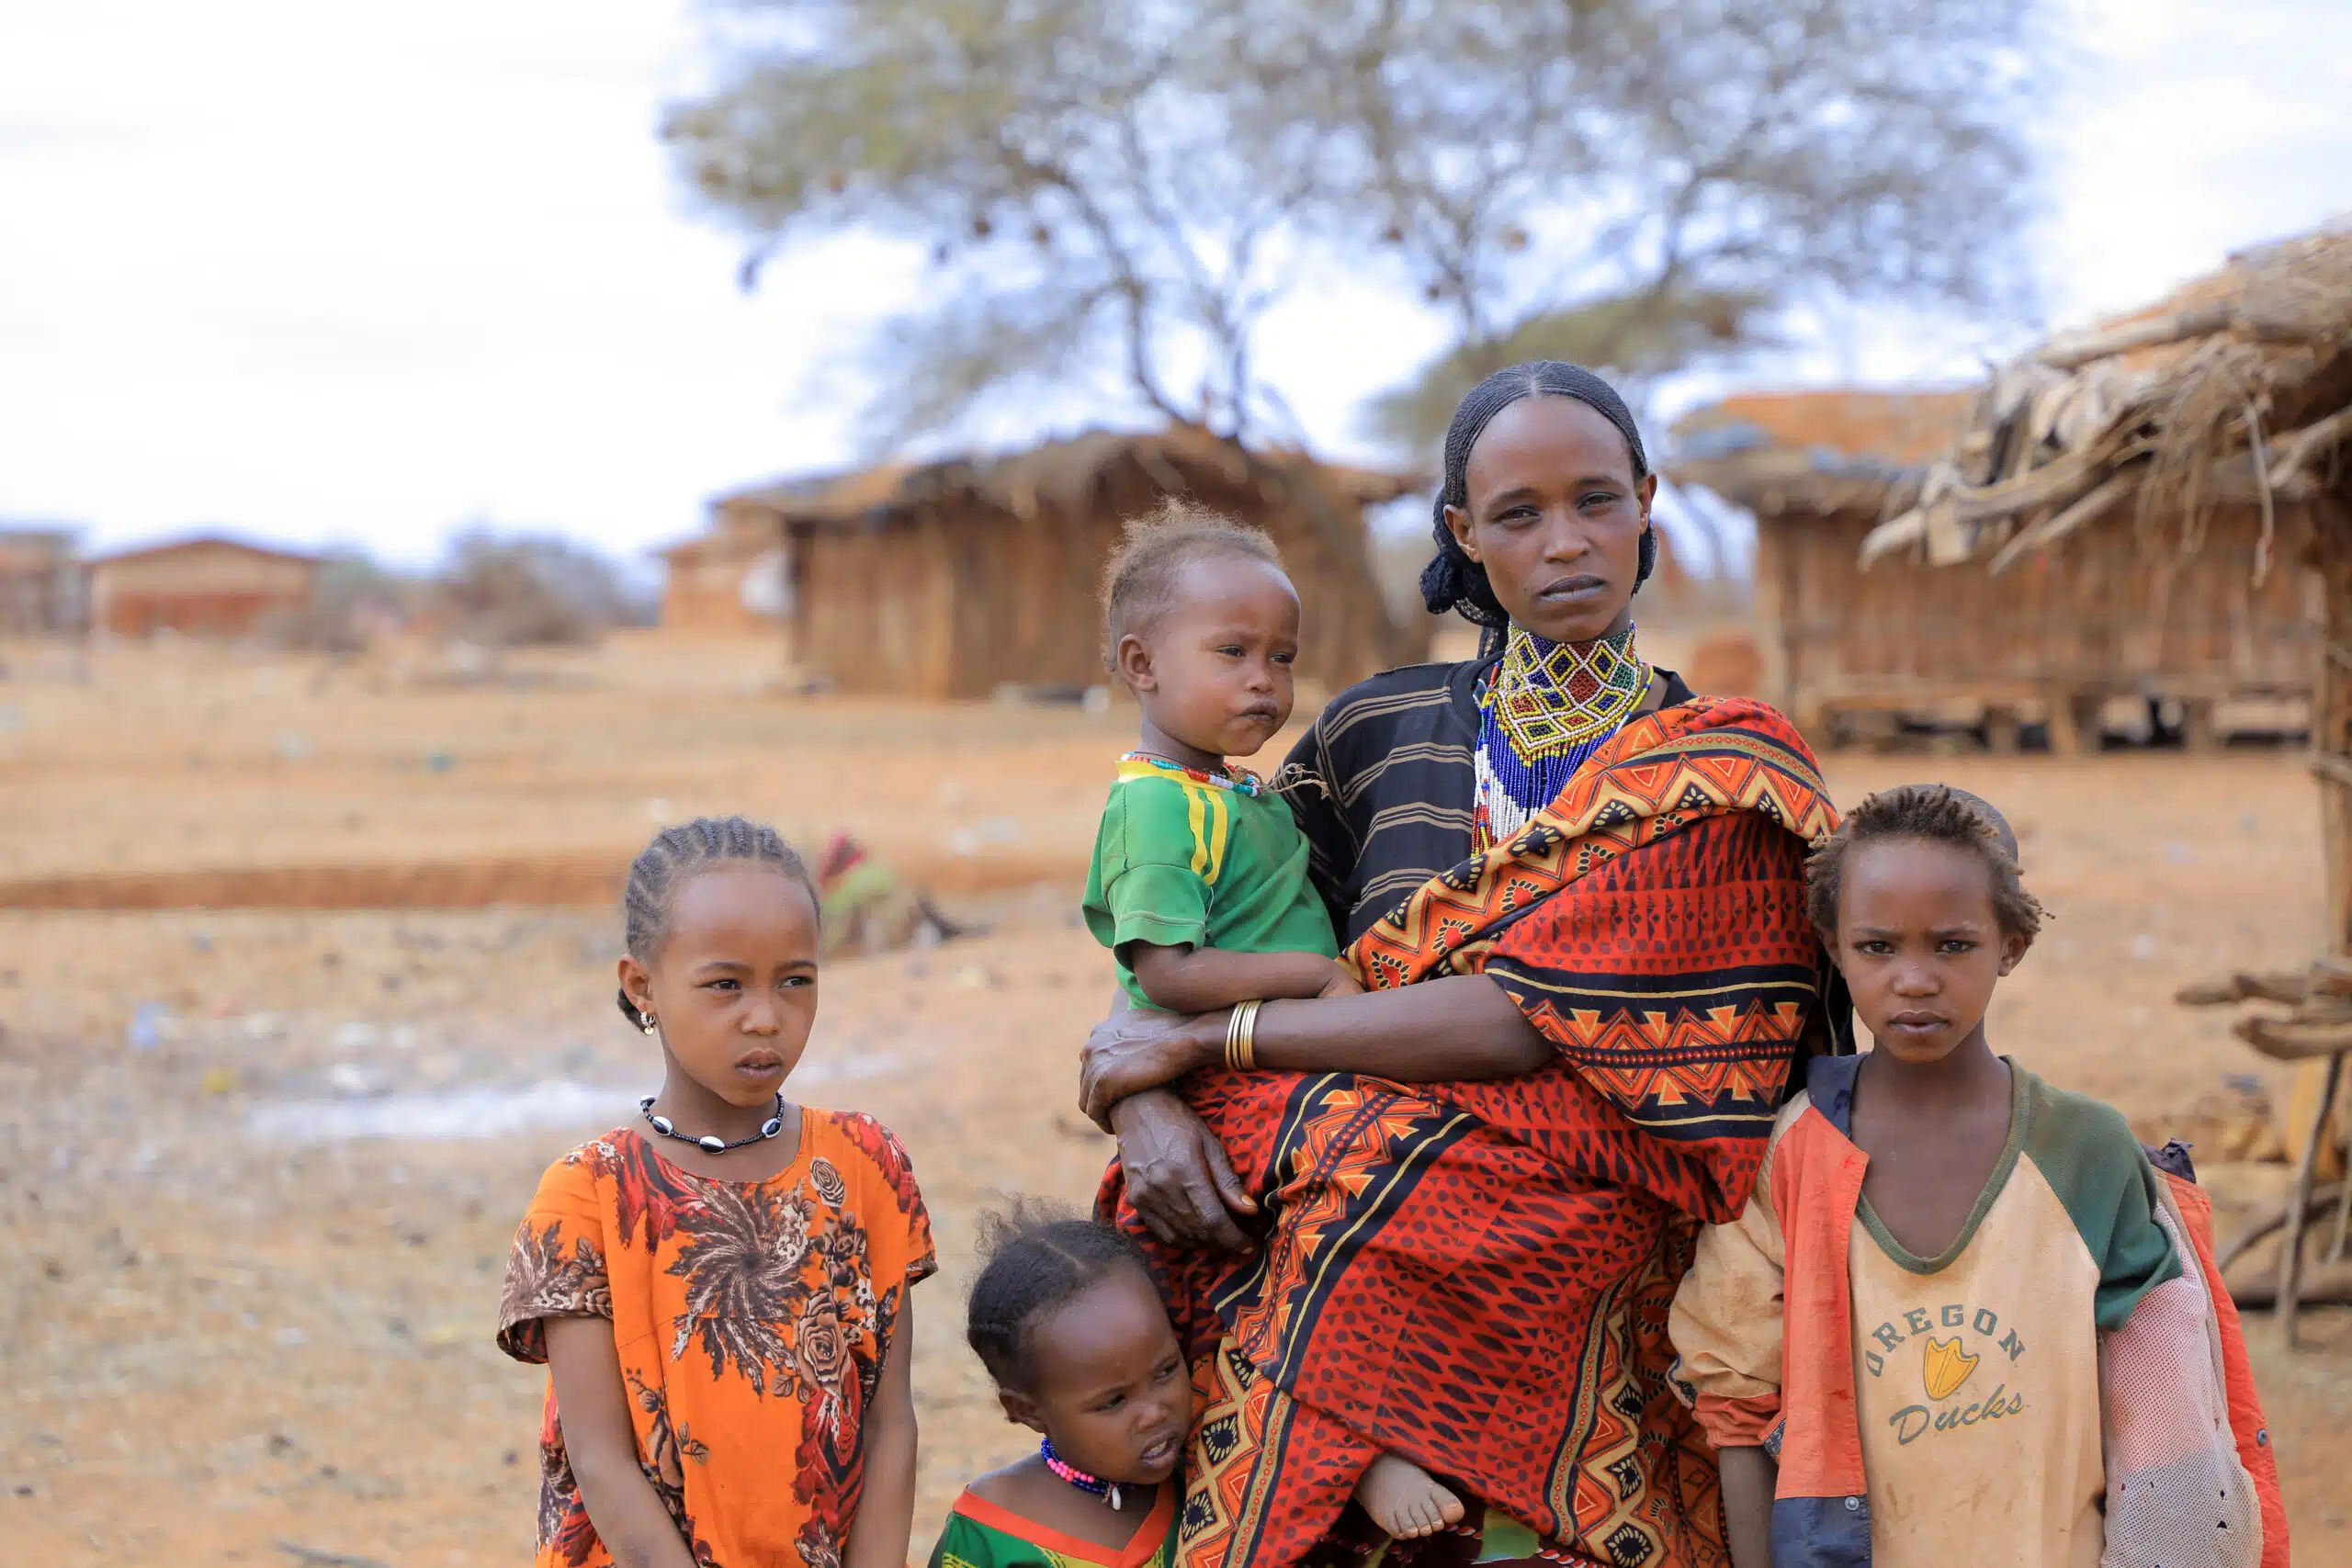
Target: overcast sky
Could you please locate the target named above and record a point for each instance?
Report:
(333, 271)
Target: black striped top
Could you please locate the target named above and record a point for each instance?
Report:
(1384, 785)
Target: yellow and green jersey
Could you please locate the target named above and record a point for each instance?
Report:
(1188, 858)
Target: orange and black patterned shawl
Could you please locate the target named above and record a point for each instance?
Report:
(1476, 1276)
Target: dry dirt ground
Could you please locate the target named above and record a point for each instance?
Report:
(258, 1167)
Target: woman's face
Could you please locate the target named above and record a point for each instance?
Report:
(1555, 516)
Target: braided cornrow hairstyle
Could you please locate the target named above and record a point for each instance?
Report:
(1036, 1258)
(1935, 814)
(679, 854)
(1453, 580)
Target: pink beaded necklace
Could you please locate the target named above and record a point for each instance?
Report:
(1106, 1490)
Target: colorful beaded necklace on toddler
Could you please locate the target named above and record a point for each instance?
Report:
(1106, 1490)
(1241, 780)
(1547, 708)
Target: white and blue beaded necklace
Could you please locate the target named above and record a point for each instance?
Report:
(1545, 710)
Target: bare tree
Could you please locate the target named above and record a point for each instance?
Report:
(1636, 184)
(521, 590)
(1081, 170)
(1114, 182)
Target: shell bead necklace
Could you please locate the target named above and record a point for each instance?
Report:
(710, 1143)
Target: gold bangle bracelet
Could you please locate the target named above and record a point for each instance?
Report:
(1242, 1037)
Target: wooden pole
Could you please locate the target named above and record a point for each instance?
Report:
(2331, 710)
(2290, 1249)
(2332, 766)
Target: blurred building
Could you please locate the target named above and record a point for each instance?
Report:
(735, 580)
(40, 582)
(1846, 648)
(957, 577)
(206, 586)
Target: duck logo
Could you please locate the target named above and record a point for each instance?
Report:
(1946, 1368)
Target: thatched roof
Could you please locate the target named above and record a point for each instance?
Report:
(1827, 451)
(2236, 389)
(1062, 473)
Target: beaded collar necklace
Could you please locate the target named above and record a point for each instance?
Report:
(1093, 1486)
(1546, 708)
(1241, 781)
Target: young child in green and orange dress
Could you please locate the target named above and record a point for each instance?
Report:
(1071, 1327)
(721, 1292)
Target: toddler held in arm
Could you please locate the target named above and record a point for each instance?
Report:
(1199, 884)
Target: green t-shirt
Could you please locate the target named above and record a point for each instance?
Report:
(1183, 860)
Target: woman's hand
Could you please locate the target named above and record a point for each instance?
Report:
(1134, 1051)
(1177, 1174)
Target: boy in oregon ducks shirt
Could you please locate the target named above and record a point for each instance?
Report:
(1964, 1317)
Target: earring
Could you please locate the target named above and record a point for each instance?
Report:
(652, 1025)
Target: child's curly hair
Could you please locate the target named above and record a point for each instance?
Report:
(1035, 1258)
(1935, 814)
(1139, 580)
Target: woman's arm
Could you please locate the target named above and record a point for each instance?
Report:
(592, 1409)
(1451, 1030)
(885, 1508)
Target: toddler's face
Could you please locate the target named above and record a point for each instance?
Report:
(1919, 943)
(735, 985)
(1215, 672)
(1112, 1390)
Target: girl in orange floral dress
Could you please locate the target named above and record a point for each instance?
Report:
(721, 1293)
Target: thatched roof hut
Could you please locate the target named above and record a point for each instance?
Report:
(2210, 435)
(956, 577)
(1850, 637)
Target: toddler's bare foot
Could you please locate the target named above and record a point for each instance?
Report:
(1403, 1501)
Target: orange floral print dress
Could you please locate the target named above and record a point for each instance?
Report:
(749, 1318)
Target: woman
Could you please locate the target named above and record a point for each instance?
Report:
(1600, 1002)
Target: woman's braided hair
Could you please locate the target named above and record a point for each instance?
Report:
(1935, 814)
(679, 854)
(1037, 1258)
(1453, 580)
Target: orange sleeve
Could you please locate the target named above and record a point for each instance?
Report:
(2253, 1434)
(556, 1267)
(898, 1226)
